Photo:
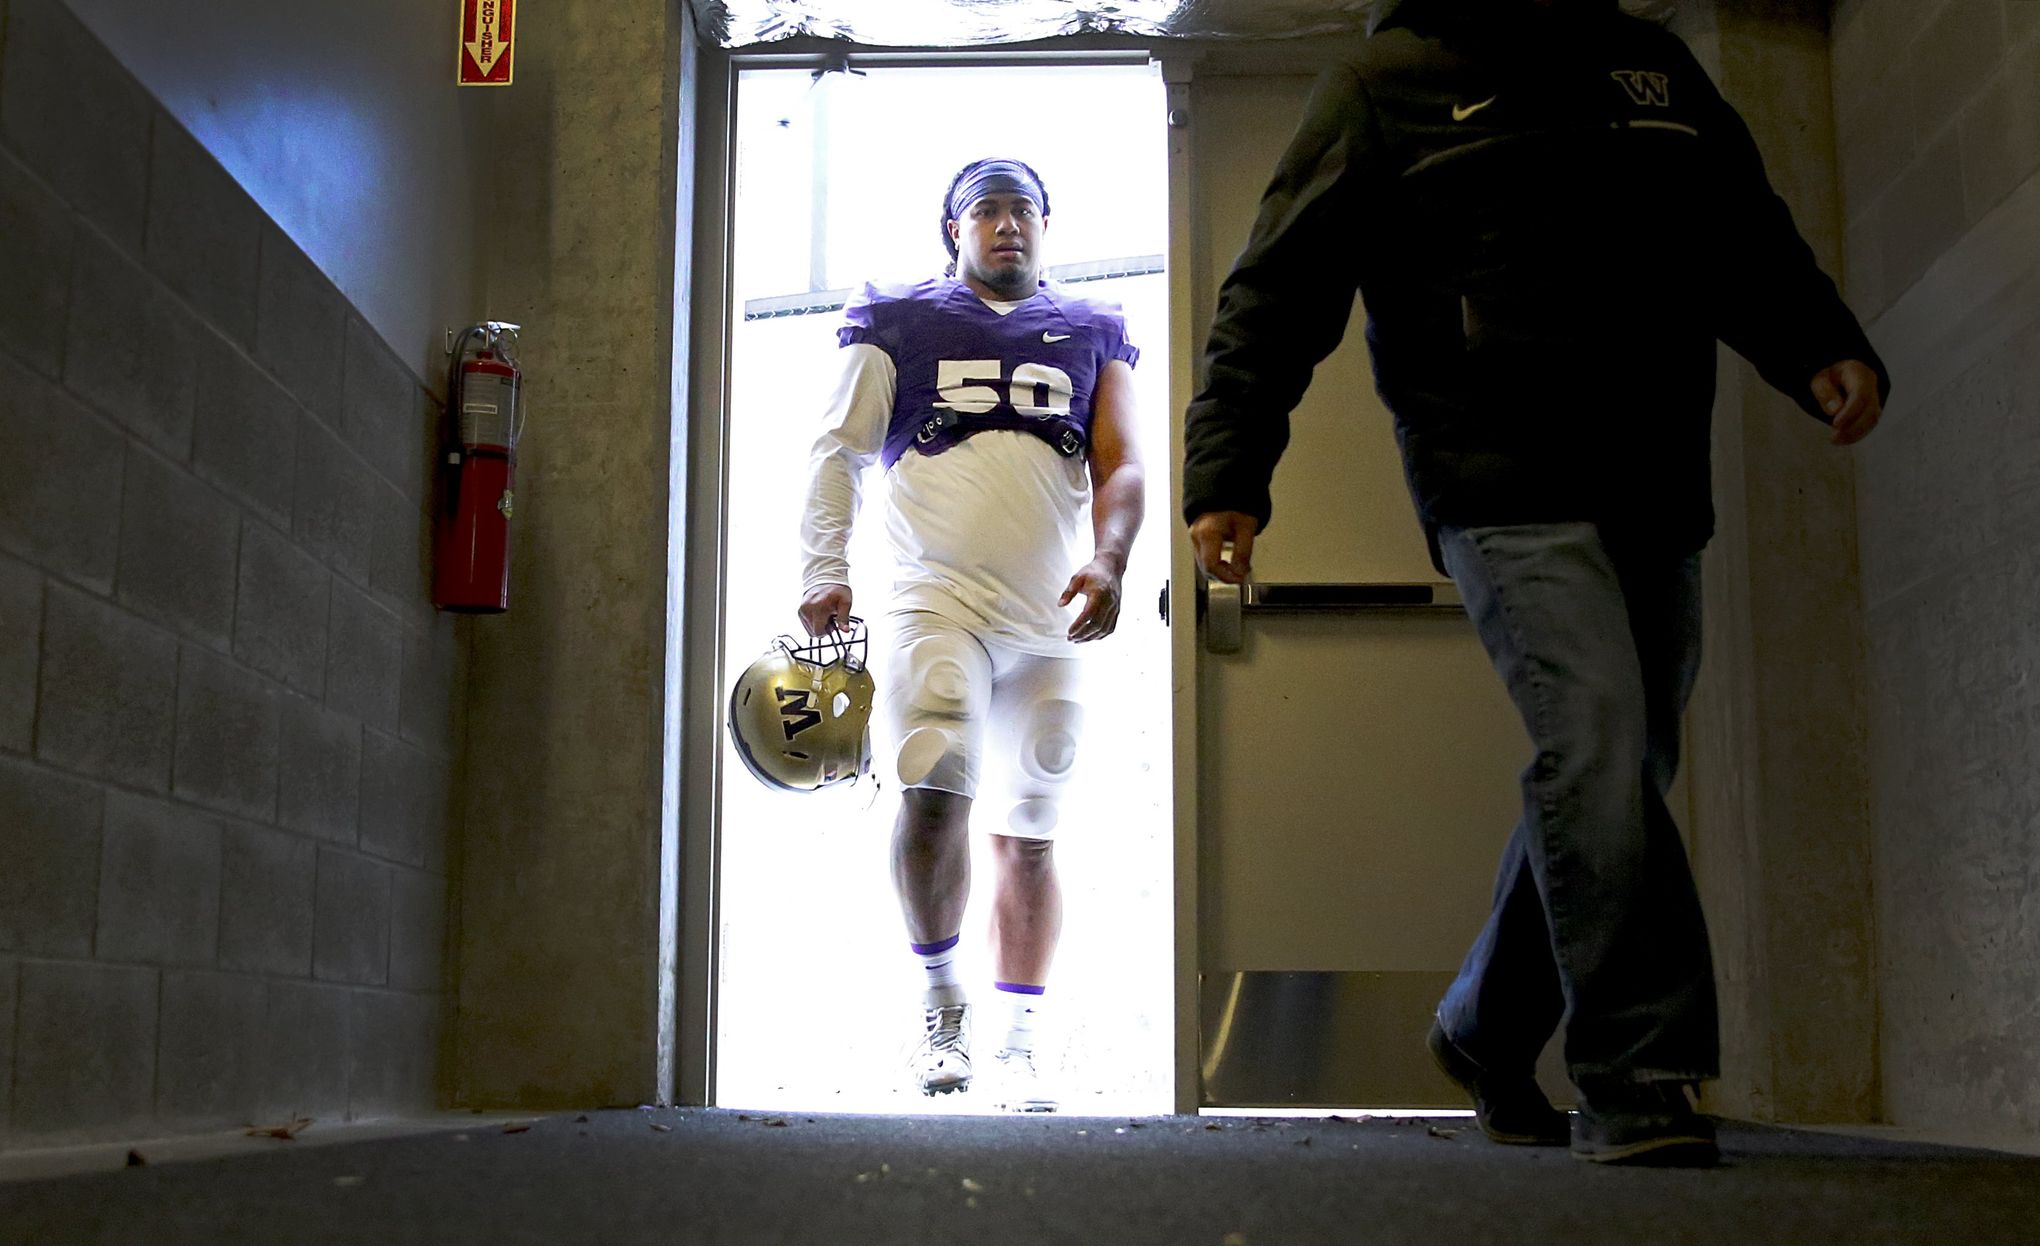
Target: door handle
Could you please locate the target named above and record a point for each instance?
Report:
(1227, 605)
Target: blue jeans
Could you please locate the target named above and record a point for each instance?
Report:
(1596, 922)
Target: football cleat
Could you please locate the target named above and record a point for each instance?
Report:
(941, 1061)
(1020, 1084)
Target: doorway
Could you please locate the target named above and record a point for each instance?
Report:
(838, 180)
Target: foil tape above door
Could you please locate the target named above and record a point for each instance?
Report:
(973, 23)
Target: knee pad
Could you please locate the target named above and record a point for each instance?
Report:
(1048, 747)
(924, 751)
(932, 751)
(944, 688)
(1048, 753)
(1033, 818)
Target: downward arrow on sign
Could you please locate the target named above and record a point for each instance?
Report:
(484, 42)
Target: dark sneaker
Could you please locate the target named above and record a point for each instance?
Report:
(1510, 1108)
(1643, 1123)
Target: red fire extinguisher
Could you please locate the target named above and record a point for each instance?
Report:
(471, 572)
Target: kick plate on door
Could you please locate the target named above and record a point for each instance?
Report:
(1331, 1039)
(1320, 1039)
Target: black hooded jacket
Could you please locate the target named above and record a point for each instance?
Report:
(1551, 216)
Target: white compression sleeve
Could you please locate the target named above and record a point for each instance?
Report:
(853, 433)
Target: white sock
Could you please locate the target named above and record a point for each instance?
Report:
(938, 960)
(1024, 1007)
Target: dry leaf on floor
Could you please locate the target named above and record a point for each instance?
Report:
(516, 1129)
(664, 1129)
(288, 1131)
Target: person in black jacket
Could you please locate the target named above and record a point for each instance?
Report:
(1551, 216)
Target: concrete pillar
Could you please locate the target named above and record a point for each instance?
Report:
(563, 985)
(1777, 732)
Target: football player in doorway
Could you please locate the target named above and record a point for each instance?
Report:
(999, 406)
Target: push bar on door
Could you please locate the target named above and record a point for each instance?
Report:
(1226, 605)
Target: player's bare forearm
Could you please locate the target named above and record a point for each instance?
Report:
(1118, 498)
(1118, 481)
(1118, 505)
(1118, 501)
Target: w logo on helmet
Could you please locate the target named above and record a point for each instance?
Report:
(797, 711)
(1645, 87)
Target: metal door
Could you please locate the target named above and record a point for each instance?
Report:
(1346, 778)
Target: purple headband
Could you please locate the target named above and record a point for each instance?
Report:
(995, 177)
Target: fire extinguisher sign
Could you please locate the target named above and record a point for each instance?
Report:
(485, 43)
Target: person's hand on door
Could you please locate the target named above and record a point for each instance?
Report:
(1224, 544)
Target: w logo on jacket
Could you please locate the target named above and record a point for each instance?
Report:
(1645, 87)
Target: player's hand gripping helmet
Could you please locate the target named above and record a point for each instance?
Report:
(801, 714)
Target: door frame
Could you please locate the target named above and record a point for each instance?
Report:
(1186, 589)
(694, 760)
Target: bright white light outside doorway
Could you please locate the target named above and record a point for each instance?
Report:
(839, 181)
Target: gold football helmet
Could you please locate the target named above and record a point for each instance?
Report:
(801, 714)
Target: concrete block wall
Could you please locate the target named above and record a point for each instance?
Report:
(228, 713)
(1938, 107)
(1937, 104)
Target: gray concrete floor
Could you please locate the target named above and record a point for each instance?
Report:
(687, 1175)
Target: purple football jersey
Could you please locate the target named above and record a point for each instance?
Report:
(963, 368)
